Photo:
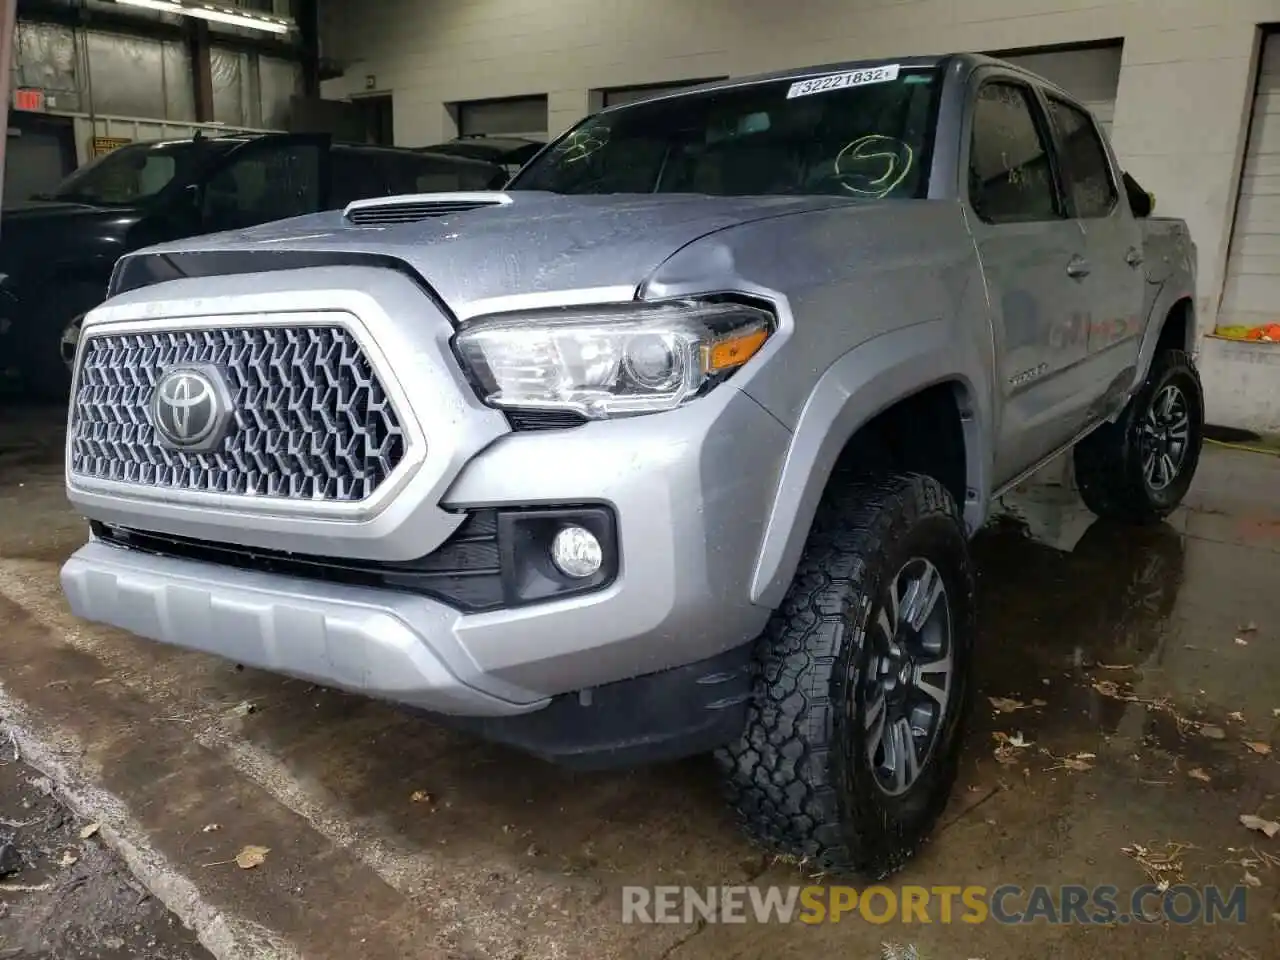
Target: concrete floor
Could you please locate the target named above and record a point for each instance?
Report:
(398, 839)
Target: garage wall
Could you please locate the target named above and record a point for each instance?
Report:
(1091, 75)
(1180, 104)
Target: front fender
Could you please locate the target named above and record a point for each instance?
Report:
(861, 384)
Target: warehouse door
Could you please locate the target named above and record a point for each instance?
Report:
(511, 117)
(1091, 75)
(616, 96)
(1251, 292)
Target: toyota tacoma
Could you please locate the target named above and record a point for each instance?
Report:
(674, 445)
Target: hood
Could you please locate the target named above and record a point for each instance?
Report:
(49, 229)
(535, 243)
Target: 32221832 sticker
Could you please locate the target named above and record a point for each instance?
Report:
(842, 81)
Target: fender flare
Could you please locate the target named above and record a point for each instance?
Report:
(1168, 297)
(861, 384)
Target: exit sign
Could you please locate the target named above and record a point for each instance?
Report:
(32, 100)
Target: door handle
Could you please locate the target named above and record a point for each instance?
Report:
(1134, 257)
(1078, 267)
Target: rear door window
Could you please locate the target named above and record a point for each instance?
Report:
(1084, 159)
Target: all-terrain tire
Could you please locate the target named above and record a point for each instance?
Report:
(800, 777)
(1110, 463)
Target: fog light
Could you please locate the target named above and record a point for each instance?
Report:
(576, 552)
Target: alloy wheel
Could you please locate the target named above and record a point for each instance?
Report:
(909, 681)
(1164, 437)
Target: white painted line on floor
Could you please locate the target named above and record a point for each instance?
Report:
(455, 892)
(226, 936)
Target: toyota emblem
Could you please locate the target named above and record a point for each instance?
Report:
(190, 408)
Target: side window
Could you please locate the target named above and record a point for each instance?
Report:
(261, 184)
(431, 175)
(355, 175)
(1010, 175)
(1085, 165)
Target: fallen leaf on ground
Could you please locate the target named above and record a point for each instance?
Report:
(1198, 774)
(1238, 717)
(1241, 642)
(1268, 827)
(68, 859)
(210, 827)
(1250, 880)
(1076, 764)
(1275, 712)
(1007, 704)
(1008, 746)
(1212, 732)
(89, 829)
(420, 796)
(251, 857)
(1249, 627)
(1159, 867)
(1260, 748)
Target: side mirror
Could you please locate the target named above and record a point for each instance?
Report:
(1141, 202)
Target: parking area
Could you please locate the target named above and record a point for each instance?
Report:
(1127, 709)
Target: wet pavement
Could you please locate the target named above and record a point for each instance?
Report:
(1136, 685)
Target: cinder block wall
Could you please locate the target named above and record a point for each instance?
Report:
(1181, 115)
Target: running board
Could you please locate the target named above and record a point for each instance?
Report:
(1047, 459)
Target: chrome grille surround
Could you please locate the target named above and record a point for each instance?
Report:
(313, 423)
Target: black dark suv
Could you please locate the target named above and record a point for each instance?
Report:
(57, 249)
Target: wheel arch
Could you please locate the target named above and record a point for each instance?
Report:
(1171, 326)
(909, 376)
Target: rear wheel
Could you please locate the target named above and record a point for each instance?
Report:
(1139, 468)
(854, 733)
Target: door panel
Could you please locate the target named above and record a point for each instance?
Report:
(1027, 246)
(1115, 287)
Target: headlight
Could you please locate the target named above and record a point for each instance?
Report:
(613, 360)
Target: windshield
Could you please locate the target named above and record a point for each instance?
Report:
(862, 133)
(134, 173)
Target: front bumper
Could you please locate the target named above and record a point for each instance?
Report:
(690, 491)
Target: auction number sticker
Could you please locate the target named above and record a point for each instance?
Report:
(841, 81)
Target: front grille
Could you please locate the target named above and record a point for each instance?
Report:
(310, 418)
(464, 571)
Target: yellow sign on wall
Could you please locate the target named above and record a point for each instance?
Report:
(100, 145)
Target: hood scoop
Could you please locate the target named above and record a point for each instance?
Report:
(413, 207)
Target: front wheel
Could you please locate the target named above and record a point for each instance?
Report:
(1139, 468)
(854, 732)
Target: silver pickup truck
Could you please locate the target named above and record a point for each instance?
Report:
(675, 445)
